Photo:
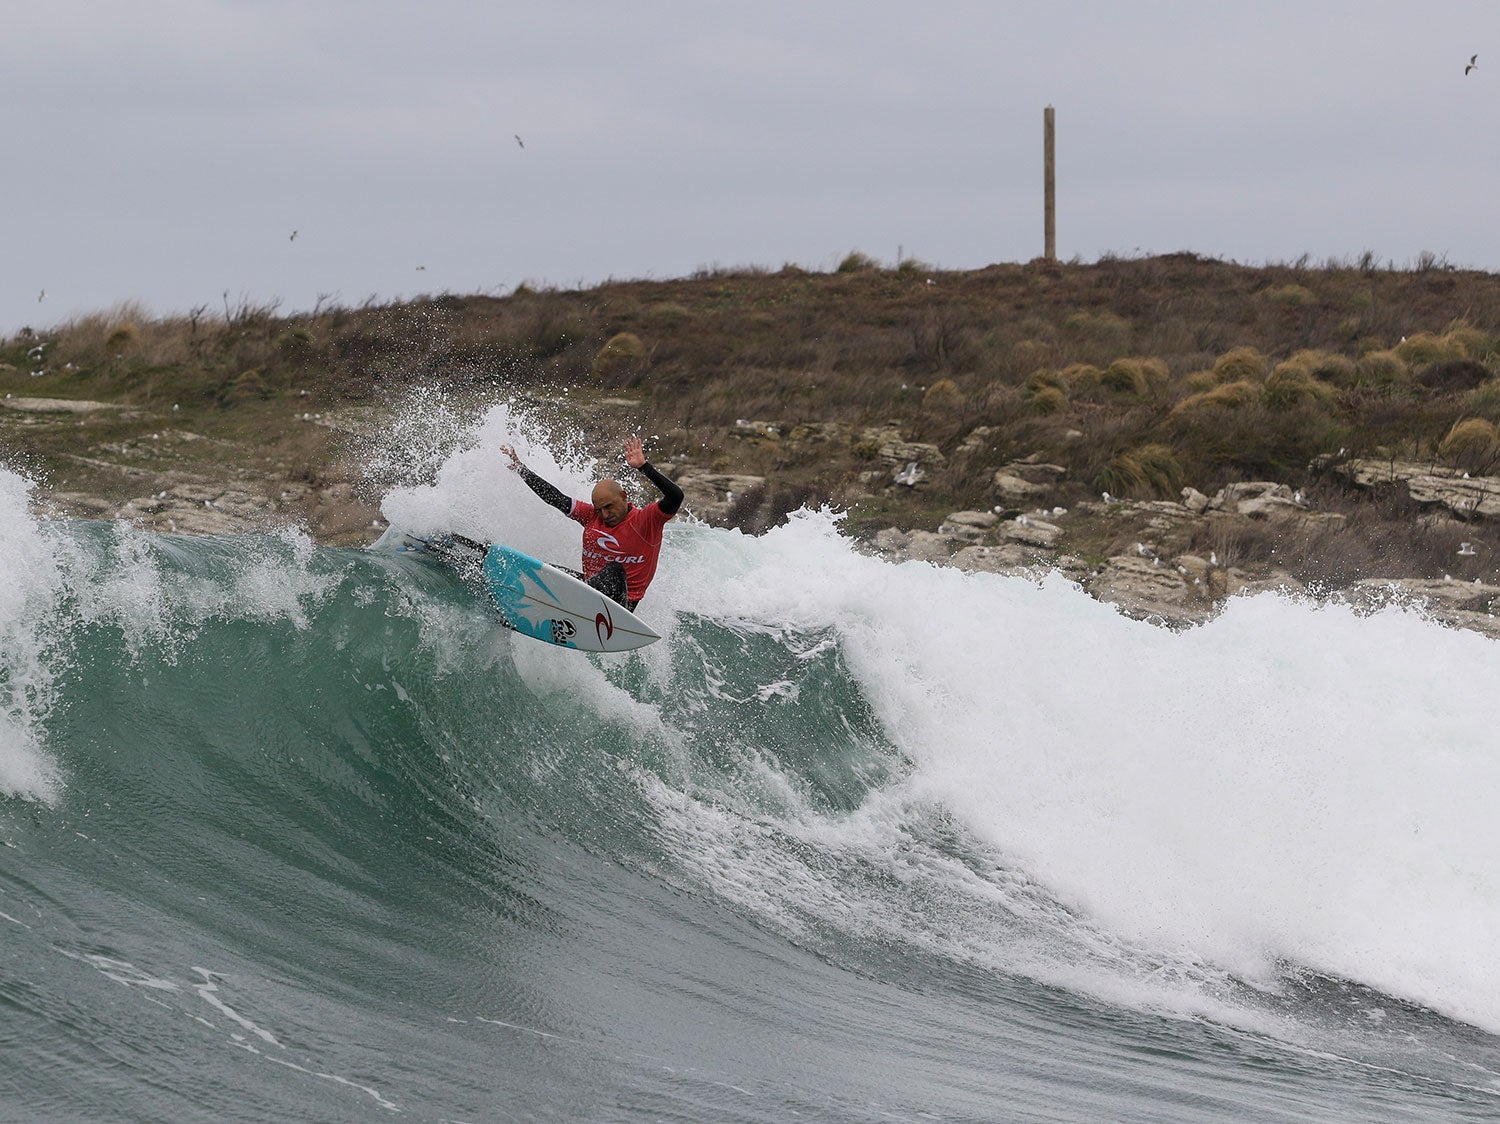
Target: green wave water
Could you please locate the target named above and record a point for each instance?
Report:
(300, 833)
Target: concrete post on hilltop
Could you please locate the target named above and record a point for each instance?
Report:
(1049, 187)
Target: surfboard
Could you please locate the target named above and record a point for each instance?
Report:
(543, 602)
(536, 598)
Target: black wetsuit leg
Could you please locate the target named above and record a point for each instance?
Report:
(610, 581)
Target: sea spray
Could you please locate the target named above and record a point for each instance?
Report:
(28, 590)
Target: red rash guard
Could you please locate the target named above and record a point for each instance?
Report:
(634, 542)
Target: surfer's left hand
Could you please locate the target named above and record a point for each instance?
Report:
(635, 454)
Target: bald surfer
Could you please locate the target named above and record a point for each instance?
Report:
(621, 542)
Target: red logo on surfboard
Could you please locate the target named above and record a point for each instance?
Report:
(604, 626)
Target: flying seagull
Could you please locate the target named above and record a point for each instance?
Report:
(41, 296)
(519, 141)
(1473, 62)
(293, 238)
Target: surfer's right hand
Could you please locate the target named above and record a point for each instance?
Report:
(515, 461)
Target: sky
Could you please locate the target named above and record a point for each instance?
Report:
(165, 152)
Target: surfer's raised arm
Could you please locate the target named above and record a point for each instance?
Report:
(549, 493)
(671, 494)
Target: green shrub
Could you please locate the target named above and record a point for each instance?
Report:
(1081, 379)
(668, 314)
(1134, 377)
(1049, 400)
(1291, 296)
(1329, 366)
(1422, 348)
(248, 386)
(1199, 381)
(943, 395)
(1292, 382)
(621, 353)
(857, 262)
(1381, 368)
(1043, 377)
(1226, 396)
(296, 343)
(121, 338)
(1150, 469)
(1475, 343)
(1470, 436)
(1102, 326)
(1240, 363)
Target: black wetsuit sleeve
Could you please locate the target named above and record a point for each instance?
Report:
(671, 494)
(549, 493)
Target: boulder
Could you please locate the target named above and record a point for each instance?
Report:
(709, 495)
(969, 525)
(1467, 497)
(1034, 471)
(1031, 531)
(1195, 501)
(1142, 587)
(1008, 558)
(56, 405)
(925, 546)
(976, 442)
(1015, 491)
(894, 451)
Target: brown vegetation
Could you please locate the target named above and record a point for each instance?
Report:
(1148, 373)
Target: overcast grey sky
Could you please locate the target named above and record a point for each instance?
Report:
(165, 150)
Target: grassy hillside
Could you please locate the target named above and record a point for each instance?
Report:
(1137, 376)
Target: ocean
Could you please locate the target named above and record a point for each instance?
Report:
(293, 832)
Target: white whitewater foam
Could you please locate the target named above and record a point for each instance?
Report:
(1289, 784)
(28, 587)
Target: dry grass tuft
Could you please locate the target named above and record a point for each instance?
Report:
(1150, 470)
(943, 395)
(856, 261)
(1226, 396)
(623, 354)
(1381, 369)
(1422, 348)
(1472, 444)
(1135, 378)
(1239, 364)
(1293, 382)
(1046, 400)
(1291, 296)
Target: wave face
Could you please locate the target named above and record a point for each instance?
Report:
(300, 833)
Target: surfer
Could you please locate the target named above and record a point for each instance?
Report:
(621, 542)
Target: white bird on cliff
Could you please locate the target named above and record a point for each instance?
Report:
(909, 475)
(1467, 549)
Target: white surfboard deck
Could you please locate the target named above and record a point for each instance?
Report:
(545, 603)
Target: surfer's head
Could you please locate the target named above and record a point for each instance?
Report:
(610, 502)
